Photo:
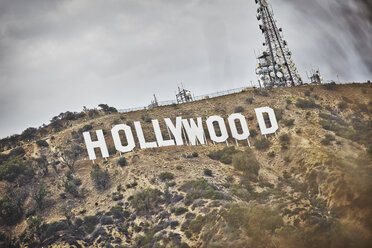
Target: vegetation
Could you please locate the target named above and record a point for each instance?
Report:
(122, 161)
(147, 201)
(285, 141)
(107, 109)
(261, 144)
(90, 223)
(246, 162)
(239, 109)
(40, 195)
(42, 143)
(328, 139)
(101, 178)
(224, 155)
(14, 168)
(200, 188)
(10, 212)
(166, 176)
(306, 104)
(71, 155)
(71, 184)
(208, 172)
(288, 122)
(179, 210)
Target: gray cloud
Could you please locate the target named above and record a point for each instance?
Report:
(62, 55)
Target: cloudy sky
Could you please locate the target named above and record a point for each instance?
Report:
(62, 55)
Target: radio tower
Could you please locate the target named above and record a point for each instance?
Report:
(275, 67)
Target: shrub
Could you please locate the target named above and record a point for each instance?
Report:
(246, 162)
(286, 175)
(179, 210)
(71, 184)
(289, 122)
(330, 86)
(306, 104)
(307, 93)
(147, 200)
(253, 133)
(10, 213)
(101, 178)
(122, 161)
(15, 167)
(342, 106)
(262, 144)
(271, 154)
(224, 155)
(328, 139)
(90, 223)
(200, 188)
(208, 172)
(285, 141)
(166, 176)
(116, 211)
(40, 195)
(249, 100)
(195, 154)
(42, 143)
(117, 196)
(239, 109)
(86, 128)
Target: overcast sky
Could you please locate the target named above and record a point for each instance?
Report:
(62, 55)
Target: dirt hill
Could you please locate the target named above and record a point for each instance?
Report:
(308, 186)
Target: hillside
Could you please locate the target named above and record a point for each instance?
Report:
(308, 186)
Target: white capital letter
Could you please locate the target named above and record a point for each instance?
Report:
(194, 131)
(212, 133)
(159, 136)
(261, 122)
(243, 122)
(101, 143)
(128, 134)
(176, 130)
(141, 137)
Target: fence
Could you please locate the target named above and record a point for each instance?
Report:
(195, 98)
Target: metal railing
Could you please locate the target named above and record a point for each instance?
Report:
(195, 98)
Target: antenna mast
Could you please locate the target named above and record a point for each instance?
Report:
(275, 66)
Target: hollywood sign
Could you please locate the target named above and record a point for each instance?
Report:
(182, 130)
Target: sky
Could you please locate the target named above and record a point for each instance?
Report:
(62, 55)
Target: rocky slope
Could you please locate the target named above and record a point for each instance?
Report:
(308, 186)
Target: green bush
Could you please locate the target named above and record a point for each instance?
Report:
(117, 196)
(122, 161)
(10, 213)
(86, 128)
(330, 86)
(90, 223)
(166, 176)
(200, 188)
(306, 104)
(195, 154)
(289, 122)
(147, 200)
(179, 210)
(208, 172)
(42, 143)
(117, 211)
(224, 155)
(246, 162)
(249, 100)
(307, 93)
(262, 144)
(15, 167)
(328, 139)
(285, 141)
(71, 184)
(239, 109)
(101, 178)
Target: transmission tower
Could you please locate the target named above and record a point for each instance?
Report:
(275, 66)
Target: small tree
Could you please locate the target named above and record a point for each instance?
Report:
(122, 161)
(71, 155)
(101, 178)
(40, 195)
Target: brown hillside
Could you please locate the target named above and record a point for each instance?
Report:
(313, 187)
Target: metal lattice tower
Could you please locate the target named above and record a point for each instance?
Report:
(275, 66)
